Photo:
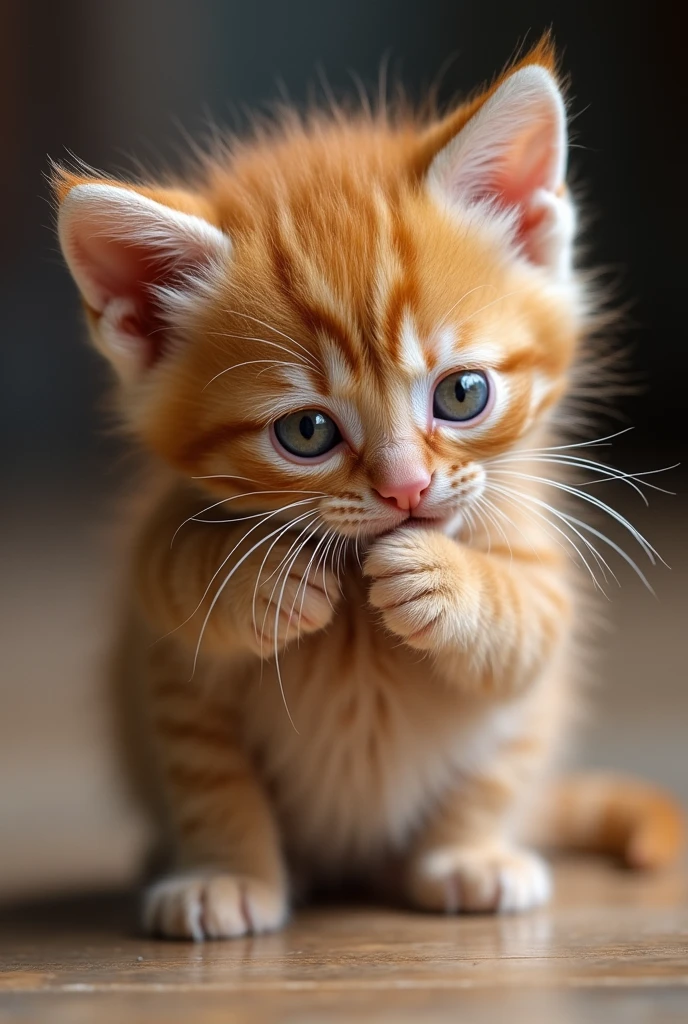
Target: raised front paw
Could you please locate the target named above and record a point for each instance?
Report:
(295, 595)
(418, 586)
(492, 878)
(212, 906)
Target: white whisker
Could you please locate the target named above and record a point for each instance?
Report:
(267, 515)
(500, 298)
(276, 570)
(226, 476)
(500, 511)
(338, 555)
(303, 585)
(278, 608)
(470, 523)
(570, 520)
(518, 500)
(651, 553)
(493, 513)
(260, 582)
(248, 362)
(357, 549)
(634, 480)
(322, 561)
(283, 527)
(302, 360)
(236, 519)
(263, 323)
(484, 523)
(443, 322)
(597, 442)
(285, 567)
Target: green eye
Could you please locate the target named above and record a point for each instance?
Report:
(461, 396)
(307, 433)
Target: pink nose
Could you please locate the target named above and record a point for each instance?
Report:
(406, 494)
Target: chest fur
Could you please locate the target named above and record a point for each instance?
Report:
(376, 740)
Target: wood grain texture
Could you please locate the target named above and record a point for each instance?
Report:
(613, 947)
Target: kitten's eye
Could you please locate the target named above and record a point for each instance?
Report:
(307, 433)
(461, 396)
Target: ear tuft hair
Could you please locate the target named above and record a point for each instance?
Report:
(126, 248)
(508, 157)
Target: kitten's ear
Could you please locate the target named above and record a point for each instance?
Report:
(130, 252)
(509, 155)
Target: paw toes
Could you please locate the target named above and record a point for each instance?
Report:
(522, 887)
(484, 881)
(212, 907)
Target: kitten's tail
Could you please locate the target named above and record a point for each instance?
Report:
(614, 815)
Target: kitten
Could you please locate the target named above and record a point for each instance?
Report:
(350, 614)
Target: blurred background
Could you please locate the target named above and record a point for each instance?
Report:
(116, 83)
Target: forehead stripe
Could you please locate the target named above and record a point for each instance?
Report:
(313, 316)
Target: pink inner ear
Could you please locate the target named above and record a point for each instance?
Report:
(120, 270)
(525, 169)
(530, 166)
(122, 276)
(512, 154)
(122, 247)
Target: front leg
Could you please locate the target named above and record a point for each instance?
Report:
(229, 878)
(489, 620)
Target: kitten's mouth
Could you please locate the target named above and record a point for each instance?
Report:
(421, 523)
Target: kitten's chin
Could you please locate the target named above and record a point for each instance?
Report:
(450, 524)
(423, 523)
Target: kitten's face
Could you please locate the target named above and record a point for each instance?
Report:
(350, 320)
(379, 358)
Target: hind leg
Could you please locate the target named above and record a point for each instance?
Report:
(466, 858)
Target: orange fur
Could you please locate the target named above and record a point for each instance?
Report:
(610, 814)
(399, 725)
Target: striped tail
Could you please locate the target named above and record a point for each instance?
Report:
(615, 815)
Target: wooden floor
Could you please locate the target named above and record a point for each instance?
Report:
(613, 947)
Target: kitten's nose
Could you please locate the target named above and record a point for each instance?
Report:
(406, 494)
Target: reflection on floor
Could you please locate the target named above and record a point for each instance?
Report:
(612, 948)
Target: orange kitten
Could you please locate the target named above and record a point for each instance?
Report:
(350, 613)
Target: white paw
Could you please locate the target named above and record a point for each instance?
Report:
(498, 879)
(212, 906)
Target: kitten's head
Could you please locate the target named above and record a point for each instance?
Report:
(349, 316)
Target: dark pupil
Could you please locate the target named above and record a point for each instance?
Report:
(459, 390)
(307, 427)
